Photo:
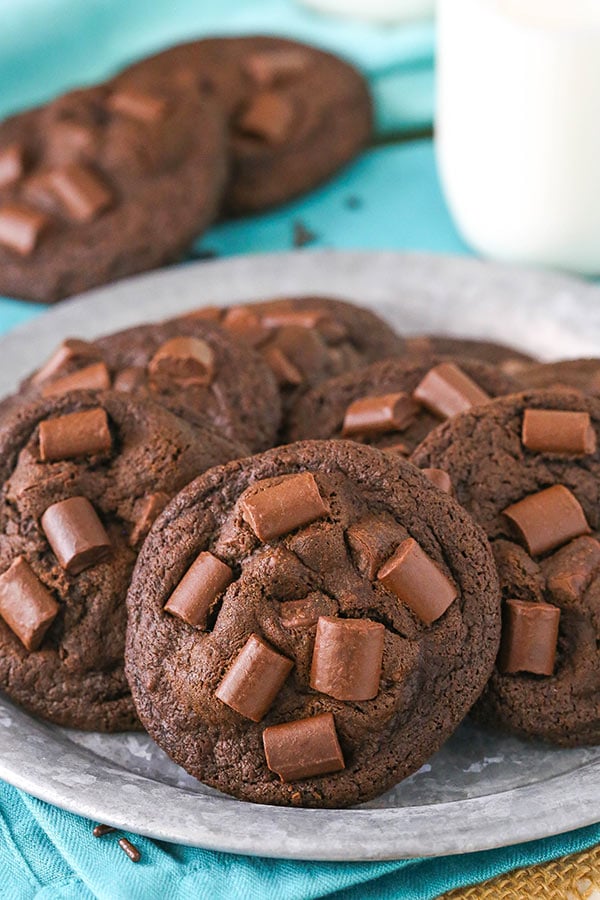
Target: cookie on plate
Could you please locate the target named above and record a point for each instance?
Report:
(191, 367)
(527, 468)
(581, 374)
(506, 358)
(103, 183)
(395, 403)
(305, 340)
(296, 114)
(82, 478)
(307, 626)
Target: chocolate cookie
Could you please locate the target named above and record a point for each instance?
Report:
(189, 366)
(395, 403)
(582, 374)
(305, 340)
(82, 479)
(308, 626)
(103, 183)
(296, 114)
(528, 469)
(508, 359)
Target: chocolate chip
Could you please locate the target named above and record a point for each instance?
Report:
(268, 117)
(418, 582)
(12, 164)
(558, 431)
(101, 830)
(80, 191)
(347, 658)
(76, 534)
(446, 391)
(254, 679)
(548, 519)
(26, 606)
(150, 508)
(304, 748)
(140, 105)
(76, 434)
(185, 361)
(21, 228)
(91, 378)
(72, 350)
(529, 637)
(379, 415)
(270, 67)
(440, 479)
(275, 508)
(198, 590)
(284, 370)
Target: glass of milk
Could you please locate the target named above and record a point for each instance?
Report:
(518, 127)
(384, 11)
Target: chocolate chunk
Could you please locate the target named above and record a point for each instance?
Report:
(272, 509)
(378, 415)
(271, 67)
(12, 164)
(198, 590)
(91, 378)
(282, 367)
(101, 830)
(302, 235)
(305, 318)
(347, 658)
(372, 540)
(69, 141)
(80, 191)
(548, 519)
(21, 227)
(245, 325)
(303, 748)
(306, 612)
(77, 434)
(418, 582)
(254, 680)
(150, 508)
(440, 478)
(71, 350)
(558, 431)
(139, 105)
(76, 534)
(529, 637)
(26, 606)
(184, 361)
(446, 391)
(268, 117)
(571, 569)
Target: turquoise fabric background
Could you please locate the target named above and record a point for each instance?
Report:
(388, 199)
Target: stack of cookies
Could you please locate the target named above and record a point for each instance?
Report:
(298, 548)
(121, 177)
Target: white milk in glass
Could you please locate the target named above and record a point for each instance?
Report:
(518, 127)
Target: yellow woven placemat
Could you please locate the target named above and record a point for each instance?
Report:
(569, 878)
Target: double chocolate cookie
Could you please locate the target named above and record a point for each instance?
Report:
(581, 374)
(507, 358)
(305, 340)
(296, 114)
(306, 627)
(103, 183)
(191, 367)
(82, 478)
(395, 403)
(528, 470)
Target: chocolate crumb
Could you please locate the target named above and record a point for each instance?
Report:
(101, 830)
(130, 850)
(303, 235)
(354, 202)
